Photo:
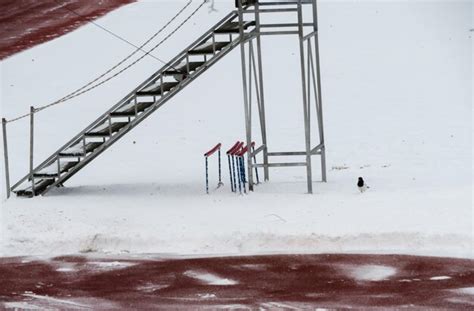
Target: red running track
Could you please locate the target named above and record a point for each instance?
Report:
(26, 23)
(278, 282)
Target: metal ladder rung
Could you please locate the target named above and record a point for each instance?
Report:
(104, 129)
(208, 48)
(157, 89)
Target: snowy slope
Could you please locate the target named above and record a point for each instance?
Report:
(397, 83)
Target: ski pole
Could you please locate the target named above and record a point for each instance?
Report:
(230, 174)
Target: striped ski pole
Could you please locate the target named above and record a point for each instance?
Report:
(240, 158)
(220, 184)
(235, 156)
(239, 175)
(242, 173)
(233, 172)
(230, 173)
(231, 166)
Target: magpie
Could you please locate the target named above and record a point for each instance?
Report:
(362, 185)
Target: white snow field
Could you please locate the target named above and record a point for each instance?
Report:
(397, 95)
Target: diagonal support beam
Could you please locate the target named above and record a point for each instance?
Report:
(261, 103)
(319, 92)
(307, 126)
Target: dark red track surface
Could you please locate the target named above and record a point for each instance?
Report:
(283, 282)
(26, 23)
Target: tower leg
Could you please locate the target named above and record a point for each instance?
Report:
(248, 124)
(307, 125)
(261, 97)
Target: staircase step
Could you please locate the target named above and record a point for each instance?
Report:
(155, 89)
(52, 170)
(103, 129)
(129, 109)
(207, 48)
(233, 27)
(78, 149)
(40, 186)
(182, 68)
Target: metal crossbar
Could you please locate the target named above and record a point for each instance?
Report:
(284, 164)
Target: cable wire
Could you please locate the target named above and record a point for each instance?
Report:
(132, 64)
(106, 30)
(86, 88)
(130, 55)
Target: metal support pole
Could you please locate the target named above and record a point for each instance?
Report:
(58, 167)
(263, 125)
(84, 145)
(213, 43)
(187, 64)
(135, 108)
(207, 177)
(307, 126)
(244, 83)
(32, 123)
(110, 125)
(308, 81)
(319, 96)
(161, 86)
(5, 156)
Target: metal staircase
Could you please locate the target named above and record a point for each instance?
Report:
(153, 93)
(242, 28)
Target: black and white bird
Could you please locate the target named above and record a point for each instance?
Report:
(362, 185)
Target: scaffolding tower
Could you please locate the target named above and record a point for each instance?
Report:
(307, 33)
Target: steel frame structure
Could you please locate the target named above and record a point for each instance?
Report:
(239, 33)
(310, 80)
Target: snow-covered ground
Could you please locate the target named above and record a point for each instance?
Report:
(397, 91)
